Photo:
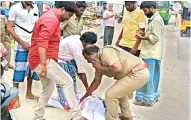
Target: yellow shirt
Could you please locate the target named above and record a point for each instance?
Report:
(132, 21)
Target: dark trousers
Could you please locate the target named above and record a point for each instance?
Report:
(129, 49)
(108, 35)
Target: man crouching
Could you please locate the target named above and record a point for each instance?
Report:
(130, 72)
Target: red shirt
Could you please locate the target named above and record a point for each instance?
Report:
(46, 34)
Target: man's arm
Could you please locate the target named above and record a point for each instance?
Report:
(11, 24)
(94, 85)
(48, 27)
(138, 41)
(119, 38)
(42, 53)
(106, 16)
(83, 78)
(112, 70)
(10, 29)
(155, 33)
(76, 51)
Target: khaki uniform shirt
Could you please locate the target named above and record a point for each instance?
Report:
(3, 30)
(74, 26)
(111, 54)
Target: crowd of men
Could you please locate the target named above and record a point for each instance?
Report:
(51, 48)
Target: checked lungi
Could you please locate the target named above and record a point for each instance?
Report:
(70, 68)
(22, 69)
(150, 92)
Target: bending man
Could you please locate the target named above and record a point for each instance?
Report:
(130, 72)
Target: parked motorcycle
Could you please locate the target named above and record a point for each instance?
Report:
(8, 99)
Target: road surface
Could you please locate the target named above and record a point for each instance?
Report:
(174, 85)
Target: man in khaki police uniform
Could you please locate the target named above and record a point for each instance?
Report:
(5, 39)
(130, 72)
(74, 26)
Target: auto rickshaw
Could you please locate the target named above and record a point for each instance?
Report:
(185, 23)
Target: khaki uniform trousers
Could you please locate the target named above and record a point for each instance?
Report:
(117, 95)
(56, 75)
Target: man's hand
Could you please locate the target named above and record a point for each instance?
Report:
(141, 32)
(133, 50)
(139, 35)
(25, 45)
(96, 63)
(111, 15)
(82, 98)
(43, 71)
(85, 96)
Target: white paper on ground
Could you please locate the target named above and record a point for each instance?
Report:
(92, 108)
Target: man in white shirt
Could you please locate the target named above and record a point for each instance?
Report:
(70, 58)
(22, 18)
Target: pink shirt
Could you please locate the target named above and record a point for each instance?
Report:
(70, 48)
(110, 21)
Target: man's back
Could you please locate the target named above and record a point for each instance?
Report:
(111, 54)
(68, 46)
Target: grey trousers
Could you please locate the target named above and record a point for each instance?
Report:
(108, 35)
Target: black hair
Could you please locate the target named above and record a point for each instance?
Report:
(90, 49)
(89, 37)
(104, 3)
(80, 4)
(148, 4)
(69, 6)
(130, 1)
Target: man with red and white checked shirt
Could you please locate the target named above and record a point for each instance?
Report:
(43, 57)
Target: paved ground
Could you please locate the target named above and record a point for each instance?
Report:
(174, 86)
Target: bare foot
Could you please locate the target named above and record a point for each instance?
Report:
(31, 96)
(17, 103)
(11, 66)
(67, 108)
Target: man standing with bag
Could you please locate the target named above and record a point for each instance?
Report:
(43, 58)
